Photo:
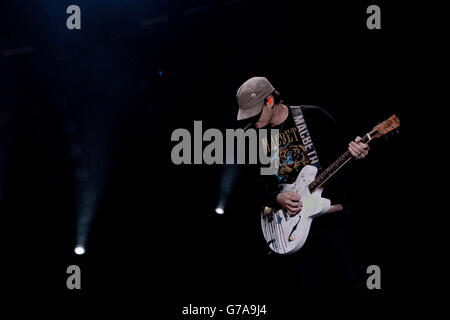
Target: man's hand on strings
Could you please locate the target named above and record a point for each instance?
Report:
(358, 149)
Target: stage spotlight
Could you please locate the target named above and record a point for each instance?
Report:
(219, 210)
(80, 249)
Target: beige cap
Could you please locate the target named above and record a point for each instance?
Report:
(251, 95)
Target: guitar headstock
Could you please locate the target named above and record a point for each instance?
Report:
(385, 127)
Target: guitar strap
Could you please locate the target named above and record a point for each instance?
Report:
(300, 123)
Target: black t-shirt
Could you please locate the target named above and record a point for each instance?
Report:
(329, 145)
(292, 154)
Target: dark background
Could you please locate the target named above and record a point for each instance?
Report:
(93, 110)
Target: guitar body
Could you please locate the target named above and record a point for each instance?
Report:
(286, 233)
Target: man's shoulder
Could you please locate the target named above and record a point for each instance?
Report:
(316, 112)
(308, 108)
(312, 109)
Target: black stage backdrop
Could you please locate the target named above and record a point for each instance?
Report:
(92, 110)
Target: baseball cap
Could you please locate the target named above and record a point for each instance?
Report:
(251, 95)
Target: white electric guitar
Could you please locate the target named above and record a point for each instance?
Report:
(286, 233)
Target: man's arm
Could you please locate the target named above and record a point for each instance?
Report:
(268, 191)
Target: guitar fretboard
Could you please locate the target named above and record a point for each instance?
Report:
(333, 168)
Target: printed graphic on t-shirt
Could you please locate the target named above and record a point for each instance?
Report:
(295, 150)
(292, 156)
(292, 160)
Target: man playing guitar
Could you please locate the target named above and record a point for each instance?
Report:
(318, 142)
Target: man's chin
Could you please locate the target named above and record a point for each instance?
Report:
(261, 125)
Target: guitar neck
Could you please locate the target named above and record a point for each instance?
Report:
(334, 167)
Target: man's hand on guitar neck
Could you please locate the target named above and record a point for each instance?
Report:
(358, 150)
(290, 201)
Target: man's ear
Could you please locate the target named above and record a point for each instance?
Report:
(270, 102)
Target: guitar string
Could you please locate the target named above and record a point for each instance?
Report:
(277, 233)
(272, 234)
(283, 235)
(281, 232)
